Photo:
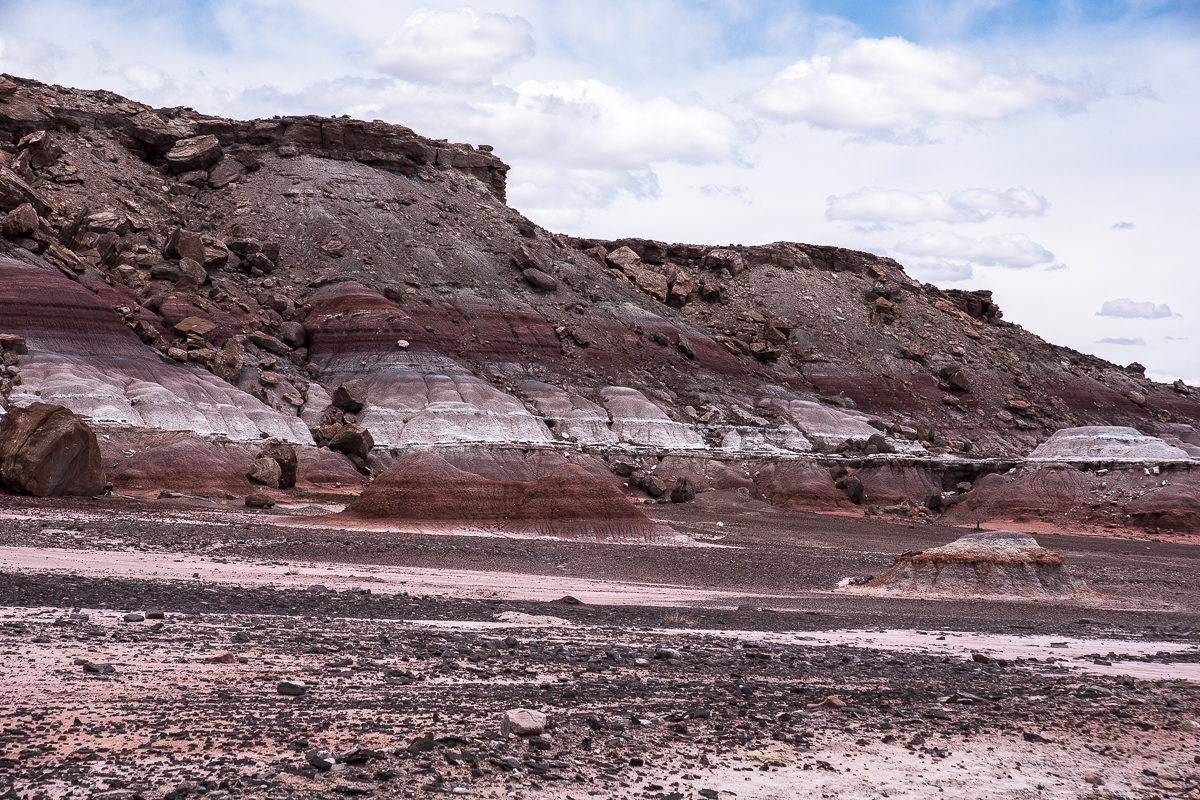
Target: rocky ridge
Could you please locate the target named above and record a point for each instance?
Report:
(227, 281)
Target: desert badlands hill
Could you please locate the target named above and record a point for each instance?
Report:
(193, 286)
(325, 472)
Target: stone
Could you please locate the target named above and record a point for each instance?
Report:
(258, 500)
(321, 759)
(99, 669)
(353, 440)
(265, 471)
(198, 152)
(269, 343)
(684, 491)
(623, 258)
(15, 192)
(227, 171)
(654, 486)
(522, 722)
(293, 334)
(184, 244)
(283, 455)
(351, 395)
(49, 451)
(193, 272)
(526, 258)
(206, 329)
(291, 688)
(21, 221)
(155, 613)
(11, 343)
(540, 280)
(43, 151)
(1093, 779)
(832, 703)
(667, 654)
(134, 617)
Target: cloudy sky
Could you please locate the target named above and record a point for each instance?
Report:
(1045, 150)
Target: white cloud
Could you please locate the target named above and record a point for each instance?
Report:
(1129, 309)
(1122, 340)
(1123, 226)
(458, 46)
(1013, 250)
(890, 85)
(876, 204)
(590, 124)
(30, 56)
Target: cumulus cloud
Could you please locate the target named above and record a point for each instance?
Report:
(879, 205)
(1128, 309)
(1121, 340)
(590, 124)
(877, 86)
(458, 46)
(1123, 226)
(1013, 250)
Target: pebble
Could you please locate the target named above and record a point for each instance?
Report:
(292, 688)
(155, 613)
(134, 617)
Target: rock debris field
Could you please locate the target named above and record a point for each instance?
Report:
(124, 684)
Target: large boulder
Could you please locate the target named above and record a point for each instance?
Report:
(353, 440)
(49, 451)
(284, 455)
(351, 395)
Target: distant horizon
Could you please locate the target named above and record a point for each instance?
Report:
(1043, 152)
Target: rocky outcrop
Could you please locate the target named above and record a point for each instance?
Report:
(988, 563)
(423, 491)
(48, 451)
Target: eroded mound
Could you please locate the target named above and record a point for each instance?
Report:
(425, 490)
(983, 563)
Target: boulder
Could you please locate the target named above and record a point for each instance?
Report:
(258, 500)
(265, 471)
(283, 455)
(684, 491)
(293, 334)
(49, 451)
(522, 722)
(353, 440)
(351, 395)
(199, 152)
(15, 192)
(184, 244)
(226, 172)
(11, 343)
(21, 221)
(204, 328)
(540, 280)
(623, 258)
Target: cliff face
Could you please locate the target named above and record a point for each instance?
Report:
(176, 271)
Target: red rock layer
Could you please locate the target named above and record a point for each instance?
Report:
(424, 489)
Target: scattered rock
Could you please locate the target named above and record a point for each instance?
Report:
(684, 491)
(199, 152)
(351, 395)
(540, 280)
(291, 688)
(259, 501)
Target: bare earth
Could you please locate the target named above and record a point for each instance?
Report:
(682, 672)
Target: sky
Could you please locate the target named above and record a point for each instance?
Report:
(1046, 150)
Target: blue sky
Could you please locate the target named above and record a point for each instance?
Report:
(1043, 150)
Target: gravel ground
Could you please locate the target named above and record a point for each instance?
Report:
(705, 697)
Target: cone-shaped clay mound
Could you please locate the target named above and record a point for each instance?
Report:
(979, 564)
(425, 491)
